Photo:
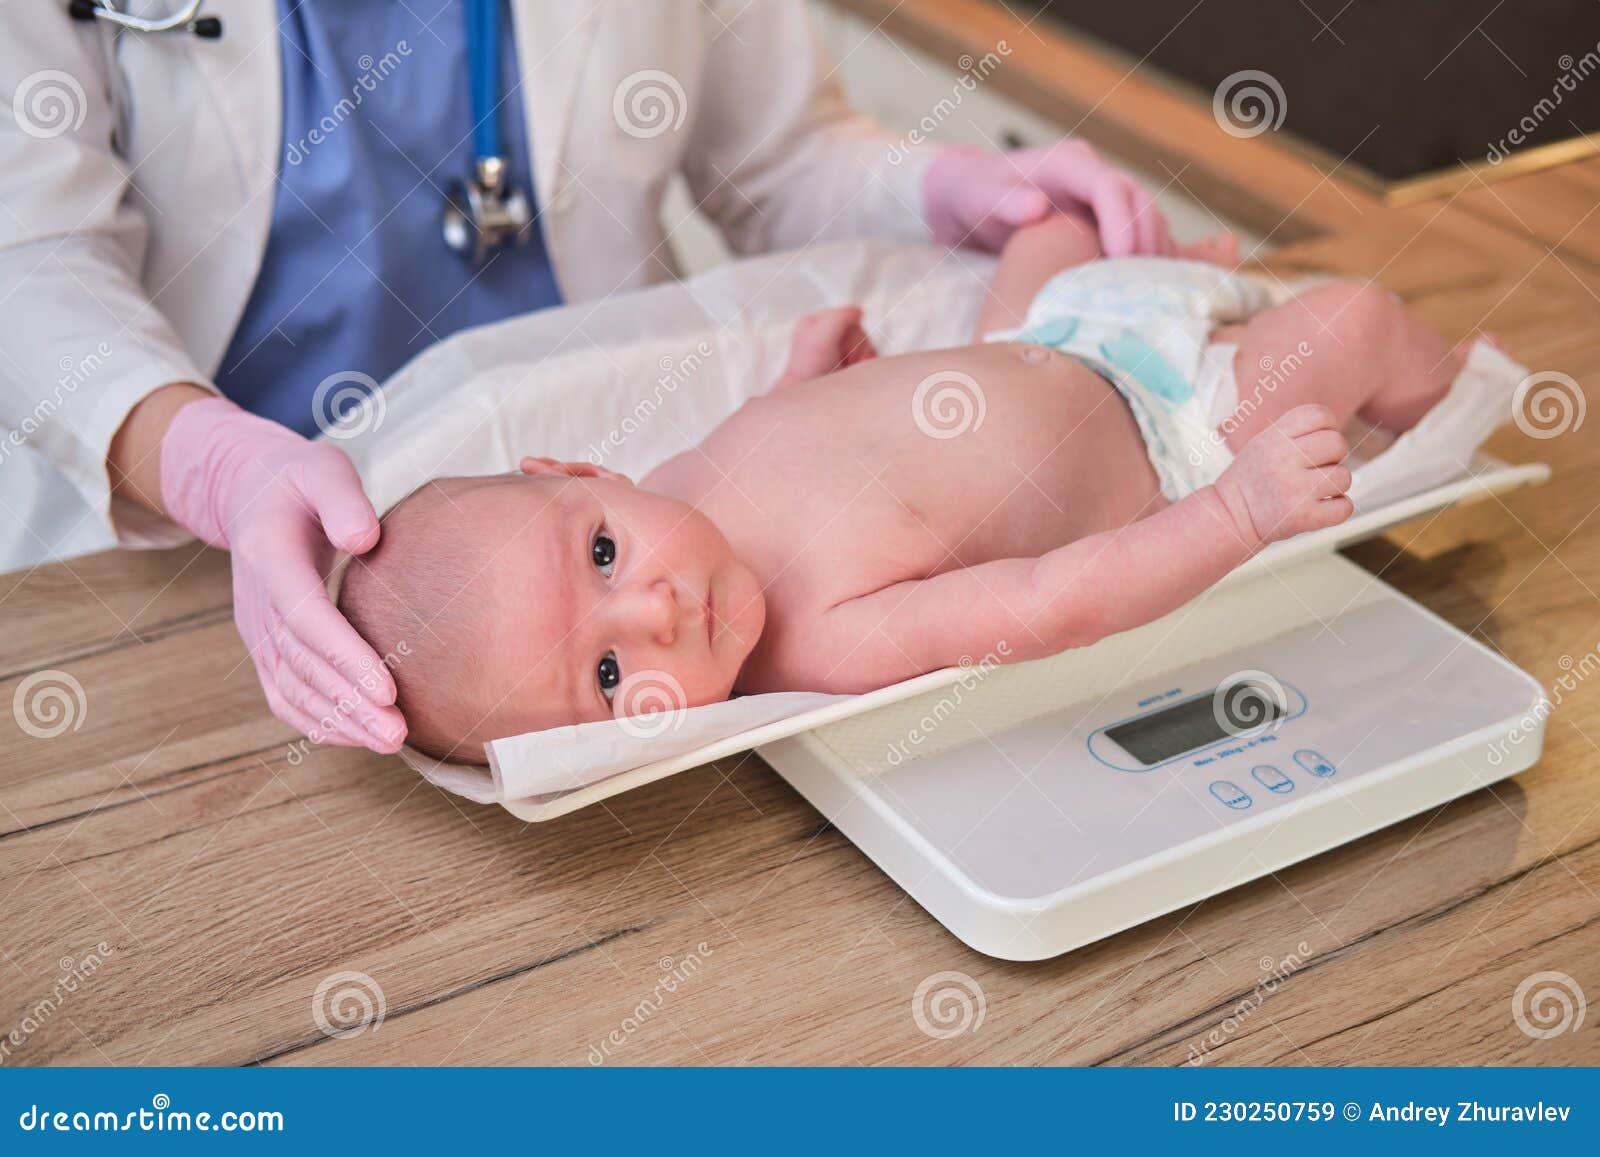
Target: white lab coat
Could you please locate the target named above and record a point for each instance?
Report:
(128, 250)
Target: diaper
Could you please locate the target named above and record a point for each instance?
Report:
(1145, 323)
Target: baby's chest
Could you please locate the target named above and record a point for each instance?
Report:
(908, 510)
(836, 544)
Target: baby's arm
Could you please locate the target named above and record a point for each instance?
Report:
(1286, 481)
(825, 341)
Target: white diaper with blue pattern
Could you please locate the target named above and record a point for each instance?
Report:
(1145, 324)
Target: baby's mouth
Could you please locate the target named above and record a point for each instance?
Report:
(711, 621)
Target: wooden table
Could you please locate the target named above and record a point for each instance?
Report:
(228, 874)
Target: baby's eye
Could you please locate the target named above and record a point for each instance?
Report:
(604, 553)
(609, 674)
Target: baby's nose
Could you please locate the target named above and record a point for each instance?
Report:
(655, 612)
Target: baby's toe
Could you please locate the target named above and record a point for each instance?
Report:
(1323, 447)
(1305, 419)
(1335, 480)
(1333, 511)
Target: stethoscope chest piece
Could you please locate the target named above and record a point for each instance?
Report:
(485, 213)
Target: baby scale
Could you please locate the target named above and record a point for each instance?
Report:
(1038, 807)
(1300, 704)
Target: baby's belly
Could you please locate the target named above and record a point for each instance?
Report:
(921, 463)
(1058, 456)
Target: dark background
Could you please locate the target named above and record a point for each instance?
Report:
(1386, 75)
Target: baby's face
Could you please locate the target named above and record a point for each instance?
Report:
(613, 601)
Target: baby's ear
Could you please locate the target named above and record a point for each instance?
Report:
(535, 466)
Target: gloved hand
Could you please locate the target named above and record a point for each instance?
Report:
(976, 197)
(276, 501)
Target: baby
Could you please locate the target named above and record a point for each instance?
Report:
(1087, 466)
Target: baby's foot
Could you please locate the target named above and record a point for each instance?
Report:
(1223, 249)
(1456, 360)
(1290, 478)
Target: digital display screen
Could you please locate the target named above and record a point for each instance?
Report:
(1198, 722)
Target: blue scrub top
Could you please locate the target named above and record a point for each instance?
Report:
(377, 124)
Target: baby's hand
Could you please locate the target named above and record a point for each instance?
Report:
(1289, 478)
(825, 341)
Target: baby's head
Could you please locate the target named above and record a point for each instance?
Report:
(523, 601)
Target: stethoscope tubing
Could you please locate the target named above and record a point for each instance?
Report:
(106, 10)
(483, 65)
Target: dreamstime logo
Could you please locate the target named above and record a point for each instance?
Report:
(648, 103)
(1249, 103)
(346, 706)
(1277, 972)
(674, 373)
(948, 1004)
(1547, 1004)
(74, 372)
(49, 703)
(972, 673)
(673, 975)
(76, 972)
(348, 404)
(1574, 672)
(1248, 703)
(1548, 404)
(973, 73)
(373, 73)
(49, 103)
(346, 1004)
(1573, 73)
(650, 704)
(160, 1117)
(948, 404)
(1274, 372)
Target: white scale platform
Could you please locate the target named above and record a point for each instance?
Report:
(1005, 805)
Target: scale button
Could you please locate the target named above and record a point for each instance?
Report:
(1230, 794)
(1315, 762)
(1271, 778)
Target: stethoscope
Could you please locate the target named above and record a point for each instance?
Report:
(484, 212)
(186, 19)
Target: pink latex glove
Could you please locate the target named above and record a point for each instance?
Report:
(975, 197)
(277, 501)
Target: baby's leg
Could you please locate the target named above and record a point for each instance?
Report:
(1032, 256)
(1352, 348)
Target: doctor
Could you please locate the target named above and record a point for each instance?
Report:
(215, 218)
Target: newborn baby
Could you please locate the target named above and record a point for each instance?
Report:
(1091, 466)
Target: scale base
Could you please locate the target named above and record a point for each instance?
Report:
(989, 801)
